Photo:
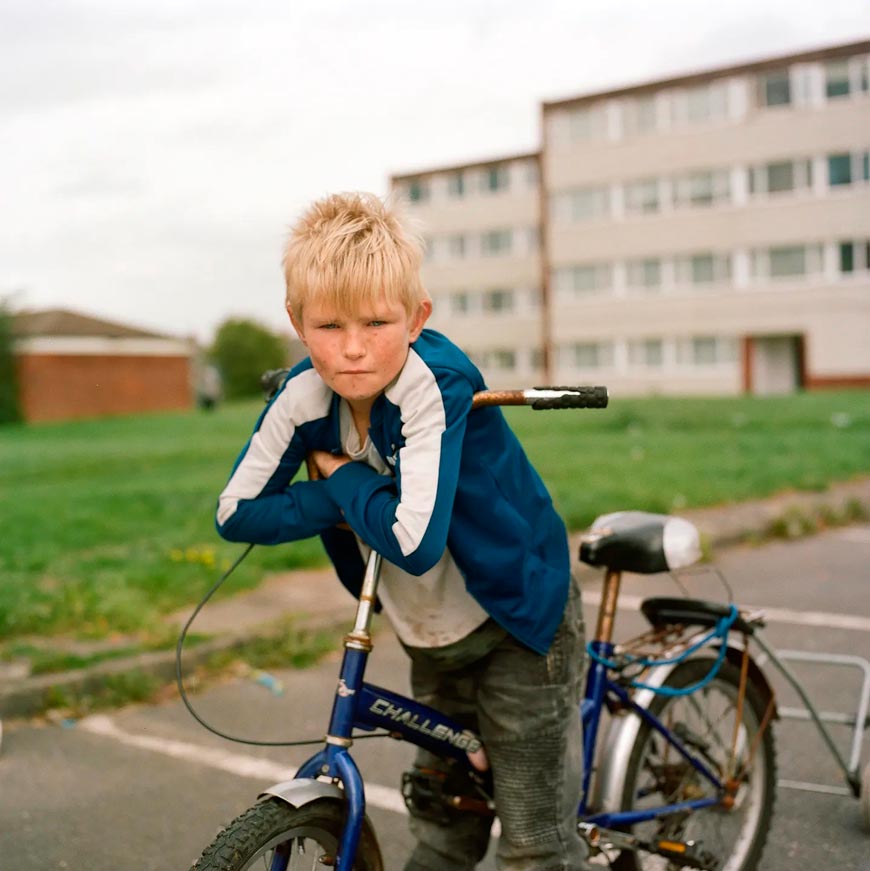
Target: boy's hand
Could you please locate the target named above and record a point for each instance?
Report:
(326, 463)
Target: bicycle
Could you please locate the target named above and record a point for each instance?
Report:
(687, 775)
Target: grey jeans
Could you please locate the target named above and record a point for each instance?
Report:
(525, 706)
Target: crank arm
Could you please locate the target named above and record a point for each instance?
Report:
(687, 854)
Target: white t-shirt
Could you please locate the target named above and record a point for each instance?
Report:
(429, 610)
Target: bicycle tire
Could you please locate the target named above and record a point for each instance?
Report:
(254, 836)
(656, 775)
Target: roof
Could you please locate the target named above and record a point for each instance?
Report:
(455, 167)
(62, 322)
(697, 78)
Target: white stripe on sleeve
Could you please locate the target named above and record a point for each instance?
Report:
(307, 398)
(418, 397)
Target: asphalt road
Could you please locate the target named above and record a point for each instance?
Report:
(145, 788)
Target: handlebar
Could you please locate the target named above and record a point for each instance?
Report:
(539, 398)
(544, 398)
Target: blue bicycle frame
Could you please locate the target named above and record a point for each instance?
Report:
(359, 705)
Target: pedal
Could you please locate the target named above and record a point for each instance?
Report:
(685, 854)
(688, 853)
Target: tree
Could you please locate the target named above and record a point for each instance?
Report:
(243, 350)
(10, 410)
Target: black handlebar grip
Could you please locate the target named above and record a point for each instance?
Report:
(271, 382)
(574, 397)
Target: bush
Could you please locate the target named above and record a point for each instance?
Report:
(242, 351)
(10, 410)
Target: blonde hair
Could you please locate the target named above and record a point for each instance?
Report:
(349, 249)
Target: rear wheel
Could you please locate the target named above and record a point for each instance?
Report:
(277, 836)
(657, 775)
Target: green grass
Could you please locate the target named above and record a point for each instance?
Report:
(106, 525)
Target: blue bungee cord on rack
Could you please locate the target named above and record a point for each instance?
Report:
(720, 630)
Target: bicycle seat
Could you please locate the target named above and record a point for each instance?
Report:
(636, 541)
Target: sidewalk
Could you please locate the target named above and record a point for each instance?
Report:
(315, 598)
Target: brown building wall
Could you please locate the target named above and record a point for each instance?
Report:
(67, 386)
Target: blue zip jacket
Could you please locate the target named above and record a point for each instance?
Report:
(461, 480)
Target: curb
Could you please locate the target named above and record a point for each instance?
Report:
(29, 697)
(720, 527)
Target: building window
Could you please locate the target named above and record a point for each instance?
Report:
(703, 269)
(583, 279)
(498, 301)
(698, 189)
(847, 256)
(839, 169)
(645, 273)
(495, 179)
(588, 355)
(418, 190)
(496, 242)
(708, 102)
(854, 256)
(583, 204)
(837, 79)
(456, 184)
(781, 176)
(460, 304)
(587, 122)
(500, 358)
(456, 246)
(774, 88)
(704, 351)
(639, 115)
(787, 261)
(642, 197)
(646, 353)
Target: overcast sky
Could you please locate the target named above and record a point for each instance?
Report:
(153, 153)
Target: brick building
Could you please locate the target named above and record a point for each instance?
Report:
(71, 365)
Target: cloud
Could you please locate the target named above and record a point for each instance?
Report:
(155, 151)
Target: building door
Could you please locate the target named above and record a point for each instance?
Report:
(774, 364)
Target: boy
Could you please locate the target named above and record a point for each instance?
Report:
(476, 578)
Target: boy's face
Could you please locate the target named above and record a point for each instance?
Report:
(359, 355)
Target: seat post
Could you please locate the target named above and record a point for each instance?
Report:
(607, 609)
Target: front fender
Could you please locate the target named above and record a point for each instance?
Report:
(624, 727)
(302, 791)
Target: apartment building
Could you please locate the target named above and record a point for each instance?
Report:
(481, 227)
(702, 234)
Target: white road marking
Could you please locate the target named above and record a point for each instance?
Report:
(241, 765)
(859, 534)
(772, 615)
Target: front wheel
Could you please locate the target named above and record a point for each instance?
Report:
(275, 835)
(705, 722)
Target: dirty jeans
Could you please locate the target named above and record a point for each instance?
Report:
(525, 708)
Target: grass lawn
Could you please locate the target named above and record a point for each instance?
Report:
(107, 524)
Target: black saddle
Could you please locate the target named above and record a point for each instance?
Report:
(636, 541)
